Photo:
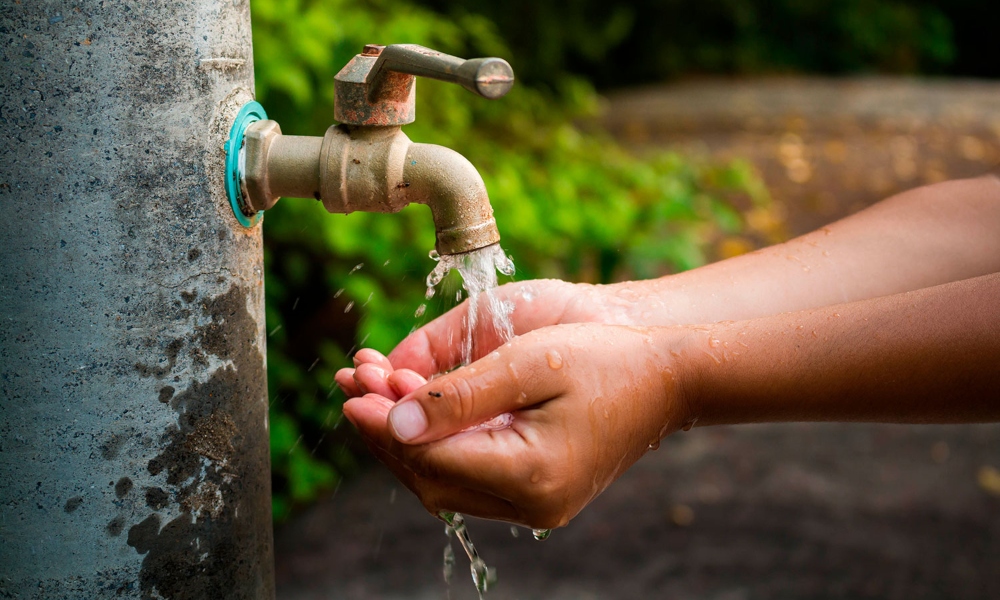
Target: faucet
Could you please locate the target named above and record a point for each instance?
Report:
(366, 162)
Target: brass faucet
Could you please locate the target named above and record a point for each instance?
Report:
(366, 162)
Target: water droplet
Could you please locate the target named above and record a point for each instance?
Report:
(349, 306)
(480, 575)
(541, 534)
(296, 303)
(713, 343)
(449, 562)
(420, 311)
(555, 361)
(654, 445)
(433, 255)
(369, 299)
(385, 264)
(356, 268)
(535, 477)
(458, 296)
(429, 293)
(338, 293)
(514, 532)
(687, 426)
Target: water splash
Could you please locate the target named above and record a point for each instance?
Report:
(479, 277)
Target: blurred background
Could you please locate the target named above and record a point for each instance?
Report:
(642, 138)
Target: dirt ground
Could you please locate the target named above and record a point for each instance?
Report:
(734, 513)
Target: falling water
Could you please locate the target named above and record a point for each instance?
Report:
(482, 576)
(479, 277)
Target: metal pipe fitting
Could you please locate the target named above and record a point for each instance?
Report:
(372, 169)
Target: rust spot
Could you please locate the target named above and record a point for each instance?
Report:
(403, 184)
(355, 161)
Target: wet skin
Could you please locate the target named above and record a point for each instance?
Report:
(889, 315)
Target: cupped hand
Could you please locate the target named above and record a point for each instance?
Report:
(374, 374)
(586, 401)
(438, 346)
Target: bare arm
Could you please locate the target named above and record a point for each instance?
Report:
(920, 238)
(587, 400)
(928, 356)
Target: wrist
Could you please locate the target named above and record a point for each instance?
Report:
(681, 350)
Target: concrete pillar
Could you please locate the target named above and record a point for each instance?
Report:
(133, 399)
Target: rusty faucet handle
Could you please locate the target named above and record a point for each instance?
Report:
(377, 87)
(490, 78)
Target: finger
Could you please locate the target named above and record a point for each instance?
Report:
(513, 378)
(405, 381)
(369, 355)
(439, 345)
(512, 465)
(498, 463)
(345, 379)
(368, 415)
(372, 379)
(435, 347)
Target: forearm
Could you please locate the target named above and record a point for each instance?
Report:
(931, 355)
(920, 238)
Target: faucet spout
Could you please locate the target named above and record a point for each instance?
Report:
(371, 169)
(452, 188)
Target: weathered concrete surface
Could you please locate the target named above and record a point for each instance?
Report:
(133, 402)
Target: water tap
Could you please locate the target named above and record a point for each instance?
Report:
(366, 162)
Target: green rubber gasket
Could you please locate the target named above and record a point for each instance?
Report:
(251, 112)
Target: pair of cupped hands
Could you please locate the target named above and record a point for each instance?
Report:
(579, 393)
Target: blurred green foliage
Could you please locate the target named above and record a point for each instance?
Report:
(638, 41)
(570, 203)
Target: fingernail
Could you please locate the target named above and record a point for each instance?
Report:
(408, 420)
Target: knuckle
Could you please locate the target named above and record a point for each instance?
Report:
(457, 401)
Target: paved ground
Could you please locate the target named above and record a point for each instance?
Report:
(792, 511)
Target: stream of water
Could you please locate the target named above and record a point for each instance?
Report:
(479, 277)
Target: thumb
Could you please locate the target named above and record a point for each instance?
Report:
(507, 380)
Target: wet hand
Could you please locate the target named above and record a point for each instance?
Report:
(374, 374)
(438, 346)
(586, 401)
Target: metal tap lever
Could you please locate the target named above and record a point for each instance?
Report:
(490, 78)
